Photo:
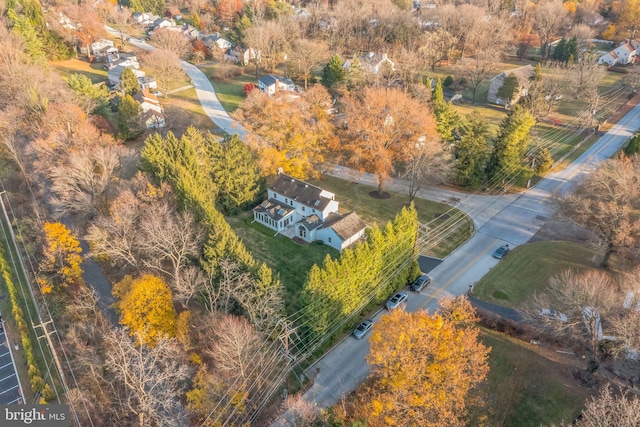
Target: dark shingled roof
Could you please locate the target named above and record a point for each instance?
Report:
(344, 226)
(274, 208)
(307, 194)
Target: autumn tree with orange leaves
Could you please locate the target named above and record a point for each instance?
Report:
(292, 134)
(382, 129)
(60, 266)
(146, 308)
(424, 368)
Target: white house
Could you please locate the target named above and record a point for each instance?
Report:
(622, 55)
(162, 23)
(124, 59)
(522, 74)
(153, 120)
(241, 55)
(147, 82)
(273, 84)
(371, 62)
(304, 211)
(152, 111)
(115, 73)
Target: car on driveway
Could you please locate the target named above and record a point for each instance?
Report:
(361, 330)
(501, 252)
(396, 301)
(553, 315)
(421, 282)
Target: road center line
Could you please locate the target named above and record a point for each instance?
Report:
(458, 274)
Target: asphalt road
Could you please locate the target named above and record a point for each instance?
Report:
(509, 218)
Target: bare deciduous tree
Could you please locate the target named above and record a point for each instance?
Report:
(151, 380)
(429, 166)
(84, 184)
(607, 204)
(305, 55)
(587, 299)
(610, 409)
(173, 41)
(116, 235)
(165, 65)
(169, 240)
(549, 18)
(269, 41)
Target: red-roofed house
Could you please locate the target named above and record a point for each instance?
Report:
(622, 55)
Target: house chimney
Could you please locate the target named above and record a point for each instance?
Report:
(279, 171)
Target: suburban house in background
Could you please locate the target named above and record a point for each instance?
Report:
(125, 59)
(152, 112)
(371, 62)
(115, 73)
(300, 210)
(241, 55)
(523, 74)
(622, 55)
(103, 50)
(273, 84)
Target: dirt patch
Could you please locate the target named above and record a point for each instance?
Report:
(560, 229)
(380, 196)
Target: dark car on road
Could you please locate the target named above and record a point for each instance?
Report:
(421, 282)
(396, 301)
(361, 330)
(501, 252)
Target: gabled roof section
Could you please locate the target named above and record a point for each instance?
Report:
(311, 222)
(274, 208)
(302, 192)
(345, 226)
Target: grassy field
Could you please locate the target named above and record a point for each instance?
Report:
(528, 268)
(95, 71)
(355, 197)
(293, 262)
(183, 108)
(230, 91)
(528, 385)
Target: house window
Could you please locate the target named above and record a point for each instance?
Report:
(275, 196)
(329, 239)
(286, 201)
(302, 231)
(303, 209)
(314, 211)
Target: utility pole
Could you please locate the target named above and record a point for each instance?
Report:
(287, 331)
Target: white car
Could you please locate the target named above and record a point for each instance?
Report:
(553, 314)
(396, 301)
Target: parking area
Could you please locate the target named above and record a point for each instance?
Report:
(10, 390)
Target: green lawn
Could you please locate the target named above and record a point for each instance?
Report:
(528, 268)
(230, 91)
(529, 386)
(95, 71)
(355, 197)
(292, 262)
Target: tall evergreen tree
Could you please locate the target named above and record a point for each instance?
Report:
(447, 119)
(333, 72)
(129, 82)
(129, 126)
(511, 145)
(25, 30)
(472, 152)
(235, 172)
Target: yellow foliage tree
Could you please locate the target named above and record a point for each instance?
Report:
(60, 266)
(423, 367)
(146, 307)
